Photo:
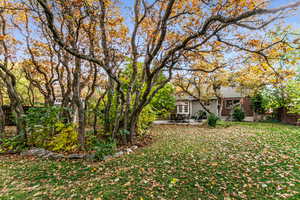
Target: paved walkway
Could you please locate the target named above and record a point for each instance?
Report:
(169, 122)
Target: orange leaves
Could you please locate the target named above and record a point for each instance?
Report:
(254, 43)
(2, 37)
(240, 36)
(235, 7)
(21, 17)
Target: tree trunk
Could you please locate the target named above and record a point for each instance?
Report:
(107, 119)
(220, 110)
(16, 104)
(78, 103)
(133, 125)
(2, 122)
(81, 126)
(204, 107)
(95, 113)
(21, 126)
(2, 116)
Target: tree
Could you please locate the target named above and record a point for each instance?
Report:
(165, 35)
(2, 116)
(203, 86)
(164, 100)
(293, 95)
(257, 102)
(7, 46)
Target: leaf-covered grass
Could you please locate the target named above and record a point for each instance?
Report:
(232, 161)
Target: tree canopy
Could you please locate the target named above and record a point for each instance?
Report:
(77, 53)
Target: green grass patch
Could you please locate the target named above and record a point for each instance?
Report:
(233, 161)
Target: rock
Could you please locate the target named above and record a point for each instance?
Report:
(118, 154)
(90, 156)
(40, 152)
(56, 156)
(75, 156)
(128, 150)
(107, 157)
(35, 152)
(134, 147)
(48, 155)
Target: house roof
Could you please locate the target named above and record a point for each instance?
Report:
(230, 92)
(225, 92)
(185, 98)
(189, 98)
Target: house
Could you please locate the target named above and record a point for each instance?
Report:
(189, 106)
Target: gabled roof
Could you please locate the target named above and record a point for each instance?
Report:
(225, 92)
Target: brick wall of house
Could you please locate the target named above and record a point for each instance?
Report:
(288, 118)
(245, 102)
(247, 106)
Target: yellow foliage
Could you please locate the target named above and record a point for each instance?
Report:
(66, 139)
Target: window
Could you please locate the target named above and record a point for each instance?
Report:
(182, 107)
(186, 108)
(230, 103)
(179, 108)
(236, 102)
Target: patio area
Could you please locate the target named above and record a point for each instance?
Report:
(182, 122)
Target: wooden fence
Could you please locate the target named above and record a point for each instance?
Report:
(288, 118)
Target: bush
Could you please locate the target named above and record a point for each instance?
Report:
(104, 148)
(200, 115)
(146, 117)
(40, 123)
(238, 114)
(164, 101)
(15, 144)
(46, 129)
(212, 120)
(257, 102)
(65, 139)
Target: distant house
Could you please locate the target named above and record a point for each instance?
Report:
(190, 106)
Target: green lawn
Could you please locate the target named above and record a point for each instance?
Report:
(233, 161)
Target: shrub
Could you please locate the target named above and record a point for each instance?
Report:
(104, 148)
(257, 102)
(145, 119)
(47, 130)
(200, 115)
(164, 101)
(212, 120)
(238, 114)
(15, 143)
(40, 123)
(65, 139)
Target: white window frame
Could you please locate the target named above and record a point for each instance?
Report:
(183, 105)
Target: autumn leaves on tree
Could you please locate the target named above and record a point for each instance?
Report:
(87, 49)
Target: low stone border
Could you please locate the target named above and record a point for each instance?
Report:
(43, 153)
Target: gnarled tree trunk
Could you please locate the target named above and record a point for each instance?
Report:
(2, 122)
(80, 112)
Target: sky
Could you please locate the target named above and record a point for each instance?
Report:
(291, 20)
